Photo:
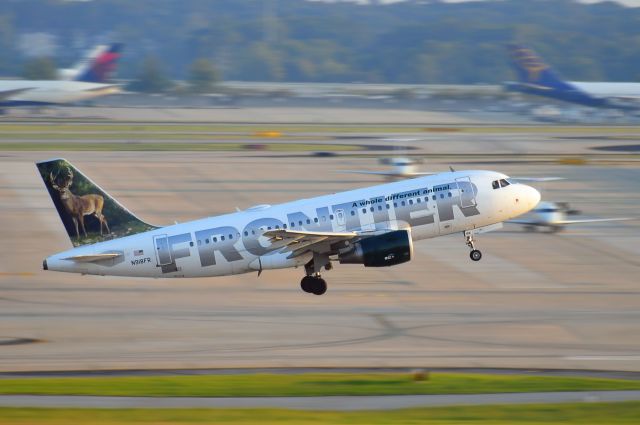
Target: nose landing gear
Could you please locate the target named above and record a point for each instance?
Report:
(475, 254)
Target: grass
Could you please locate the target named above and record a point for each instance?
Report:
(308, 384)
(584, 414)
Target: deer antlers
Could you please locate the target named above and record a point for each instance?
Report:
(67, 182)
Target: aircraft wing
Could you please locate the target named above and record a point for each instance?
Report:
(388, 173)
(6, 94)
(564, 222)
(536, 179)
(299, 241)
(592, 220)
(526, 222)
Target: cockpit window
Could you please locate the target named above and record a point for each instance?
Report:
(495, 184)
(504, 183)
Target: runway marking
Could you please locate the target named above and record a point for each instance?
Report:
(21, 274)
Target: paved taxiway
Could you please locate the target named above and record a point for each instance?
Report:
(333, 403)
(534, 301)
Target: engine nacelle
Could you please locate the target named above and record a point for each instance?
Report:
(383, 250)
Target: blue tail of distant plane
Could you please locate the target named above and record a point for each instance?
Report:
(101, 67)
(536, 77)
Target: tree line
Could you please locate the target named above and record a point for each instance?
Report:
(296, 40)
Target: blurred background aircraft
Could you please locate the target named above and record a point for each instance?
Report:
(537, 78)
(87, 80)
(553, 217)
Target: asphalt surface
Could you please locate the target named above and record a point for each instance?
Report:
(543, 301)
(337, 403)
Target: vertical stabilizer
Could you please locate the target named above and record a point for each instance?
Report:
(88, 213)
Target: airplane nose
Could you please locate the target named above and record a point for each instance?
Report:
(531, 197)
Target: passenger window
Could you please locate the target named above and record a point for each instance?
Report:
(388, 206)
(403, 203)
(372, 209)
(215, 239)
(353, 212)
(410, 201)
(308, 221)
(331, 217)
(433, 197)
(199, 242)
(495, 184)
(190, 243)
(449, 194)
(246, 233)
(418, 200)
(284, 226)
(206, 241)
(379, 207)
(315, 220)
(395, 205)
(300, 223)
(277, 227)
(221, 238)
(364, 211)
(442, 196)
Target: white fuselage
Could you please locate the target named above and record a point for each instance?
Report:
(44, 92)
(429, 206)
(609, 89)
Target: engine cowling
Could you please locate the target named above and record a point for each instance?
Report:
(383, 250)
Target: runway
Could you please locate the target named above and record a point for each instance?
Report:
(562, 301)
(337, 403)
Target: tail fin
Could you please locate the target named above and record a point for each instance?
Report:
(100, 65)
(88, 213)
(533, 71)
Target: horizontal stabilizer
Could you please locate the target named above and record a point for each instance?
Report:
(94, 258)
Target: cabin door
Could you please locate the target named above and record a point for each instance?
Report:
(163, 253)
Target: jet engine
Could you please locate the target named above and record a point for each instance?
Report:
(387, 249)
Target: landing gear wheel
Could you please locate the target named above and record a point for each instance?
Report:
(319, 286)
(307, 284)
(475, 255)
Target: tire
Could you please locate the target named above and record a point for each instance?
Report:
(319, 286)
(307, 284)
(475, 255)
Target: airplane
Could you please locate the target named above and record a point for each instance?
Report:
(97, 66)
(373, 226)
(50, 92)
(553, 216)
(402, 167)
(84, 82)
(537, 78)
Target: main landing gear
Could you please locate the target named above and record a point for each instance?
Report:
(313, 283)
(475, 254)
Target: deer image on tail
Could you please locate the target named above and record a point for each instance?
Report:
(78, 206)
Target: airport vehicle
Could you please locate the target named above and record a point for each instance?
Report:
(537, 78)
(373, 226)
(97, 66)
(553, 216)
